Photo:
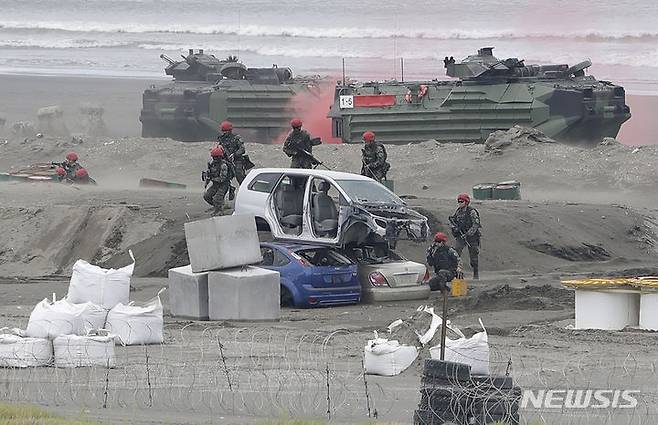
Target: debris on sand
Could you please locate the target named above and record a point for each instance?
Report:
(23, 130)
(609, 141)
(515, 136)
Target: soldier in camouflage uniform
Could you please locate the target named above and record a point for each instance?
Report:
(446, 263)
(234, 149)
(465, 225)
(218, 180)
(70, 165)
(299, 146)
(373, 158)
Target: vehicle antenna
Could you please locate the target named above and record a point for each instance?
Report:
(343, 71)
(402, 69)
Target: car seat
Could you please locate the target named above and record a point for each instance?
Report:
(290, 207)
(325, 214)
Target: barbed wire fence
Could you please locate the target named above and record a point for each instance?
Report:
(262, 372)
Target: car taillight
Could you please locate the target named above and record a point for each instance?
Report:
(426, 277)
(300, 260)
(377, 279)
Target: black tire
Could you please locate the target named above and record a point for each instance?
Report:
(449, 371)
(498, 382)
(428, 417)
(508, 419)
(494, 407)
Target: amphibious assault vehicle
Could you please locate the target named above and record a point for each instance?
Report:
(490, 94)
(206, 91)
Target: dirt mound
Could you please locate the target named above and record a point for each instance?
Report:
(40, 241)
(582, 252)
(505, 297)
(516, 136)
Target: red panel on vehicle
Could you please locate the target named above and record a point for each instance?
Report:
(374, 100)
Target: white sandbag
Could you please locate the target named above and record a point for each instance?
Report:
(17, 351)
(473, 351)
(388, 358)
(104, 287)
(137, 324)
(84, 351)
(52, 319)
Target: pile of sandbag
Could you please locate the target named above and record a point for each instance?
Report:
(406, 338)
(82, 329)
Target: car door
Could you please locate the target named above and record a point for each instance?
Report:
(285, 207)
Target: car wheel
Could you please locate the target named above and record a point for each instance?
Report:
(286, 297)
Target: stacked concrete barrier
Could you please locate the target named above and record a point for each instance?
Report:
(220, 283)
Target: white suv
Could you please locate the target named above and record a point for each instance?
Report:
(327, 207)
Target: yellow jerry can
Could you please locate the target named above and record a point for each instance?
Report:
(459, 288)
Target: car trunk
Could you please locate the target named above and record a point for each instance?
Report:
(398, 274)
(329, 268)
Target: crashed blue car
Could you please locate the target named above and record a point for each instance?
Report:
(312, 275)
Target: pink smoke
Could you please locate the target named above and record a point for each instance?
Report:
(312, 108)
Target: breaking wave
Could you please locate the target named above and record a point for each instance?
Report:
(315, 32)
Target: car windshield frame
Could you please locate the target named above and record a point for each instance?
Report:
(368, 192)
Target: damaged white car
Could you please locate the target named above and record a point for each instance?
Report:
(327, 207)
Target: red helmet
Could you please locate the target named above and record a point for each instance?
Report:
(60, 171)
(295, 123)
(369, 136)
(440, 237)
(217, 151)
(81, 173)
(464, 197)
(226, 126)
(72, 156)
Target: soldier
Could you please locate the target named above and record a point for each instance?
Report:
(373, 158)
(234, 149)
(446, 263)
(465, 225)
(218, 179)
(299, 146)
(70, 165)
(82, 177)
(61, 174)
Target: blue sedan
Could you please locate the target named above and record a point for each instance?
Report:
(312, 276)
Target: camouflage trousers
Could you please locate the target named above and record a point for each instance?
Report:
(301, 161)
(473, 249)
(441, 280)
(238, 169)
(215, 194)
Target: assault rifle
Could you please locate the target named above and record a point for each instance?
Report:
(314, 161)
(455, 229)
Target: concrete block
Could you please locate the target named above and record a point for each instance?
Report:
(246, 293)
(222, 242)
(188, 293)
